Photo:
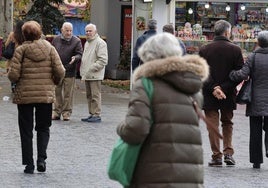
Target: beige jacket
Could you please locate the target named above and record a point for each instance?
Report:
(35, 68)
(94, 59)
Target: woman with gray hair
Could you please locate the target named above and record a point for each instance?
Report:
(257, 110)
(171, 154)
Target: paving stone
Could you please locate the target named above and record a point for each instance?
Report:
(78, 152)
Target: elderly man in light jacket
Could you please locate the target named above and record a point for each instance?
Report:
(92, 69)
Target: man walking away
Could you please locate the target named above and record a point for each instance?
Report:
(219, 91)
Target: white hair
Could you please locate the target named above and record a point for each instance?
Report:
(160, 46)
(263, 39)
(92, 25)
(66, 24)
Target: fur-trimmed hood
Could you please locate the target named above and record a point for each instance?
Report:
(181, 72)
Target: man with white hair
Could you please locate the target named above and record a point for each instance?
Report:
(70, 51)
(92, 69)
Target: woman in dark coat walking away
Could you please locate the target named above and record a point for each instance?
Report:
(257, 110)
(171, 155)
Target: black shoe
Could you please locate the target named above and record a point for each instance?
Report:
(86, 119)
(29, 169)
(215, 162)
(41, 166)
(229, 160)
(256, 165)
(94, 119)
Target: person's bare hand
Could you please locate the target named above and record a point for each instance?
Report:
(72, 60)
(218, 93)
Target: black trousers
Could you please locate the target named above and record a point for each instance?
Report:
(257, 124)
(41, 113)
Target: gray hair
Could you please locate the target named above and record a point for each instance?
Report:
(221, 26)
(92, 25)
(67, 24)
(160, 46)
(168, 28)
(263, 39)
(152, 23)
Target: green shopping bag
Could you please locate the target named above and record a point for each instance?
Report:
(124, 156)
(123, 161)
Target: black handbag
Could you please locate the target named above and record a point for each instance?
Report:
(244, 95)
(9, 50)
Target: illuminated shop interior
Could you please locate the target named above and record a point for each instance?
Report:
(194, 22)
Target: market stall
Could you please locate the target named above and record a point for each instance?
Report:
(194, 22)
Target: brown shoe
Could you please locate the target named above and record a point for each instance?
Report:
(215, 162)
(54, 117)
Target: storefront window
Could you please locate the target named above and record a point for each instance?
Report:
(196, 27)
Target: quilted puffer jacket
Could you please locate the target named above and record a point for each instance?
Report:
(171, 155)
(35, 68)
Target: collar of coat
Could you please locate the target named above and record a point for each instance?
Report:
(221, 38)
(66, 39)
(93, 38)
(159, 67)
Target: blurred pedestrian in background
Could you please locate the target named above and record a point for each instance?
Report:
(35, 68)
(170, 29)
(151, 30)
(17, 39)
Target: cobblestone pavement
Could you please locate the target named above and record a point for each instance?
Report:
(78, 152)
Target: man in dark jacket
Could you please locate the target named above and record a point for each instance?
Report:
(219, 91)
(70, 51)
(147, 34)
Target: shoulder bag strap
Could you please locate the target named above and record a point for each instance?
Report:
(149, 89)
